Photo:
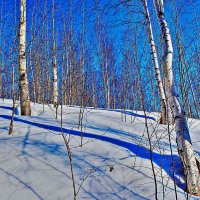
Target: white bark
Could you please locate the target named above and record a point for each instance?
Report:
(23, 80)
(156, 66)
(107, 82)
(184, 143)
(55, 75)
(83, 53)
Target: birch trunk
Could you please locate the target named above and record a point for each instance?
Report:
(13, 93)
(23, 79)
(55, 75)
(94, 103)
(185, 149)
(83, 53)
(107, 82)
(160, 87)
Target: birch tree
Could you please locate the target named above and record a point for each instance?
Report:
(23, 79)
(154, 56)
(185, 149)
(55, 76)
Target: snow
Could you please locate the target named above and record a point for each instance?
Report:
(113, 162)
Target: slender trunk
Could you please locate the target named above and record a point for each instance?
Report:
(93, 92)
(83, 53)
(13, 93)
(153, 91)
(55, 76)
(23, 79)
(160, 87)
(113, 90)
(107, 83)
(137, 68)
(33, 77)
(184, 143)
(67, 87)
(43, 89)
(64, 64)
(70, 54)
(48, 83)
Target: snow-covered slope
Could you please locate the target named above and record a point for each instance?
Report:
(113, 162)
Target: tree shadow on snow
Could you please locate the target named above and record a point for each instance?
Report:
(127, 113)
(175, 171)
(23, 183)
(133, 114)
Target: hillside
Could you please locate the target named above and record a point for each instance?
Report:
(113, 162)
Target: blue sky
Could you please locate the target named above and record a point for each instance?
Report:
(120, 21)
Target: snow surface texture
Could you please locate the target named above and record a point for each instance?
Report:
(113, 162)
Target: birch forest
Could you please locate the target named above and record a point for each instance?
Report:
(135, 61)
